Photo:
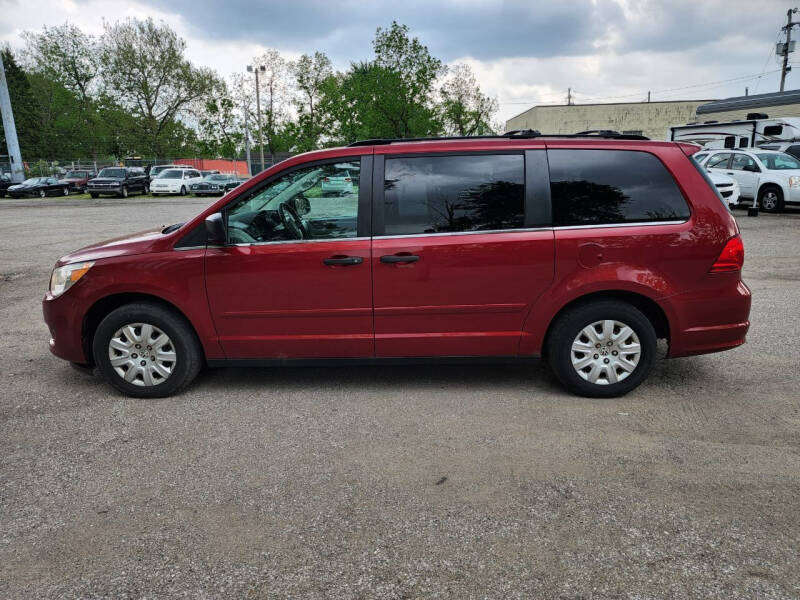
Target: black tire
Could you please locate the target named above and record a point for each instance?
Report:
(770, 198)
(93, 195)
(66, 191)
(569, 324)
(183, 190)
(42, 193)
(123, 192)
(188, 360)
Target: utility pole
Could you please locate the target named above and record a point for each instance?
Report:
(256, 69)
(569, 96)
(788, 27)
(648, 95)
(14, 155)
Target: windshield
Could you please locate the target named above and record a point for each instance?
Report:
(75, 174)
(156, 170)
(33, 180)
(171, 174)
(215, 178)
(779, 162)
(114, 173)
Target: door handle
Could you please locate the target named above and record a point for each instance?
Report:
(399, 258)
(343, 260)
(729, 173)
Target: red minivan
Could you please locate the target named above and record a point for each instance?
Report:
(583, 250)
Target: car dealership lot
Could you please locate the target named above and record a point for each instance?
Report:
(394, 482)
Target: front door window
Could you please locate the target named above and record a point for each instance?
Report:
(313, 203)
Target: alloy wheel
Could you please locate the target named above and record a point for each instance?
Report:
(605, 352)
(142, 354)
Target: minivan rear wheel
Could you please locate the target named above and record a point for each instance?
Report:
(601, 350)
(146, 350)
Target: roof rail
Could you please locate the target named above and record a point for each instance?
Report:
(515, 134)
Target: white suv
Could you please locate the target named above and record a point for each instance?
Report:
(177, 180)
(773, 178)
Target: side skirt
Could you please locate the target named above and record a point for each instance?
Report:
(377, 361)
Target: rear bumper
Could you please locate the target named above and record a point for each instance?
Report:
(711, 320)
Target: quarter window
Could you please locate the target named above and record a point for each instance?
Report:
(314, 203)
(434, 194)
(596, 187)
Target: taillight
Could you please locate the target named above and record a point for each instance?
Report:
(326, 179)
(731, 258)
(347, 179)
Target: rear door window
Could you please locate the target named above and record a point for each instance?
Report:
(437, 194)
(600, 187)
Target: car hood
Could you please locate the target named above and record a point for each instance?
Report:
(105, 180)
(126, 245)
(22, 186)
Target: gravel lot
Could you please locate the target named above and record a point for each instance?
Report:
(394, 482)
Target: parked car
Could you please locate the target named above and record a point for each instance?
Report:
(175, 181)
(580, 250)
(214, 185)
(338, 183)
(5, 183)
(38, 186)
(773, 178)
(156, 170)
(792, 148)
(77, 180)
(211, 172)
(118, 181)
(727, 186)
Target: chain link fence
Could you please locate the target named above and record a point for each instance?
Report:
(60, 167)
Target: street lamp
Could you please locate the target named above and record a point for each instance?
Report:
(255, 69)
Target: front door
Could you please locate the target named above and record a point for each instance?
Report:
(747, 179)
(457, 260)
(294, 280)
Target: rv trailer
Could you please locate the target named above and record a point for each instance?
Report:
(755, 130)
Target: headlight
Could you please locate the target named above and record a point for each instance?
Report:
(65, 277)
(794, 182)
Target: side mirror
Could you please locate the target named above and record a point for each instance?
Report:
(751, 168)
(215, 230)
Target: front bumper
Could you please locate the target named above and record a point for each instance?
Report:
(65, 322)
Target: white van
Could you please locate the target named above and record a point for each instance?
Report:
(176, 180)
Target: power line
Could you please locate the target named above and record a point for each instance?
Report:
(710, 84)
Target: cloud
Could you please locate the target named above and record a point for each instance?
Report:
(523, 52)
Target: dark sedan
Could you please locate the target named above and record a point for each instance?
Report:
(39, 186)
(215, 184)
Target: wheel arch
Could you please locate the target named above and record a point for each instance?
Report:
(767, 184)
(105, 305)
(649, 307)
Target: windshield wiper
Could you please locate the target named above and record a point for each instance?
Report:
(172, 228)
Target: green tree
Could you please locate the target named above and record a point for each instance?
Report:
(310, 74)
(465, 110)
(65, 57)
(220, 133)
(145, 71)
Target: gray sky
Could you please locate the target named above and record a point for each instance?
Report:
(523, 52)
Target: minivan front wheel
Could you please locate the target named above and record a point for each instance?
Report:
(601, 350)
(146, 350)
